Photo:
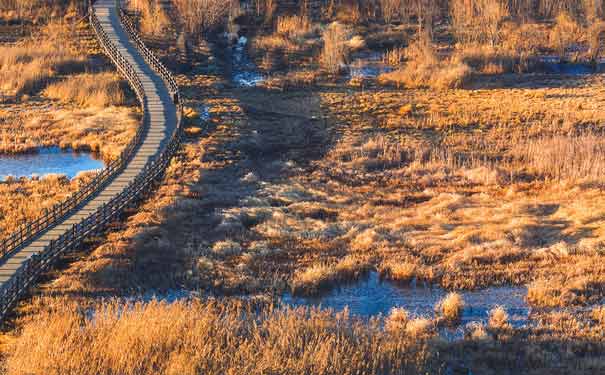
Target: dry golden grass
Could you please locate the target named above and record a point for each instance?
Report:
(565, 33)
(105, 131)
(207, 338)
(222, 336)
(276, 42)
(27, 68)
(498, 318)
(293, 26)
(399, 271)
(89, 90)
(321, 276)
(450, 307)
(153, 18)
(201, 16)
(395, 56)
(22, 200)
(334, 52)
(397, 320)
(425, 69)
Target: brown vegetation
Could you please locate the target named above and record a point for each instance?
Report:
(334, 51)
(303, 190)
(450, 307)
(89, 90)
(200, 16)
(25, 69)
(209, 338)
(25, 199)
(425, 69)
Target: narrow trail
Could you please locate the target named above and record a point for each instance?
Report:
(151, 150)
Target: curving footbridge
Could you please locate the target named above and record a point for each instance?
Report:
(32, 249)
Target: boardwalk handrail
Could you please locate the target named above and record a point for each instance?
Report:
(27, 273)
(30, 230)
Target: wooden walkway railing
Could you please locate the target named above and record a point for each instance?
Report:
(89, 213)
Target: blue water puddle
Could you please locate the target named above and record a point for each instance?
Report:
(167, 296)
(204, 112)
(244, 71)
(372, 297)
(362, 68)
(571, 69)
(48, 160)
(368, 65)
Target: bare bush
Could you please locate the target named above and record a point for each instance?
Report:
(200, 16)
(425, 69)
(425, 12)
(596, 40)
(334, 51)
(389, 9)
(394, 56)
(565, 33)
(293, 26)
(479, 20)
(154, 20)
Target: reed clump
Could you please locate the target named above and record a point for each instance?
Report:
(214, 337)
(316, 277)
(450, 307)
(89, 90)
(423, 68)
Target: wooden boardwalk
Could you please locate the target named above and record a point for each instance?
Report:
(159, 123)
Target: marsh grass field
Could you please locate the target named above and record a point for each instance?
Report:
(463, 163)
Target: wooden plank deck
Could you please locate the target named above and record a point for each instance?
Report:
(161, 121)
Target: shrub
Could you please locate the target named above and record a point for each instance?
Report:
(418, 327)
(596, 40)
(334, 53)
(200, 16)
(498, 318)
(395, 56)
(397, 320)
(400, 271)
(312, 279)
(226, 248)
(450, 307)
(154, 20)
(565, 33)
(389, 9)
(424, 69)
(293, 26)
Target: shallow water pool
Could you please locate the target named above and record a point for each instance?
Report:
(244, 71)
(48, 160)
(371, 296)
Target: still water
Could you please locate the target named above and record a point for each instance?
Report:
(48, 160)
(371, 297)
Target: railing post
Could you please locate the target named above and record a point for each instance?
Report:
(37, 263)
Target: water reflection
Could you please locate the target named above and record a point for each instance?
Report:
(371, 297)
(368, 66)
(48, 160)
(244, 71)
